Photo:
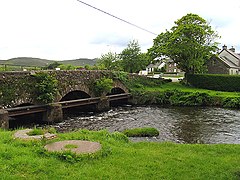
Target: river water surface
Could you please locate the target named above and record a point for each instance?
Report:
(175, 124)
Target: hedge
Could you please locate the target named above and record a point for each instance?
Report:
(216, 82)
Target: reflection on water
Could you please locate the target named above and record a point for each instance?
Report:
(177, 124)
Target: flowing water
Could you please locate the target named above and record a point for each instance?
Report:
(176, 124)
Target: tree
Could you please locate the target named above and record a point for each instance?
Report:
(108, 61)
(190, 43)
(53, 65)
(132, 58)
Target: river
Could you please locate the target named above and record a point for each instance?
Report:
(176, 124)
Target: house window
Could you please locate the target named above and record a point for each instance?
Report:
(175, 64)
(175, 70)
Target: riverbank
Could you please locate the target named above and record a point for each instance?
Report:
(120, 159)
(176, 94)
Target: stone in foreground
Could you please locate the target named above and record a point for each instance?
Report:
(79, 147)
(22, 134)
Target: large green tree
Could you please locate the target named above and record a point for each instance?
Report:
(132, 58)
(190, 43)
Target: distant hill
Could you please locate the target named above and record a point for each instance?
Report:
(29, 61)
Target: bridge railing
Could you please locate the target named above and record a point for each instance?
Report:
(24, 110)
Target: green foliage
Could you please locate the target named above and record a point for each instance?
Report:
(172, 97)
(103, 86)
(120, 75)
(66, 67)
(109, 61)
(141, 82)
(132, 58)
(53, 65)
(214, 82)
(190, 99)
(190, 43)
(233, 102)
(45, 87)
(141, 132)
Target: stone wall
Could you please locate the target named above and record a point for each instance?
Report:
(216, 66)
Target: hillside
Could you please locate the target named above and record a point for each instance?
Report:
(29, 61)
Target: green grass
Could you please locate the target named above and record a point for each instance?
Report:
(121, 159)
(178, 86)
(70, 146)
(141, 132)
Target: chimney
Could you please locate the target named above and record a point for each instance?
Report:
(232, 49)
(224, 47)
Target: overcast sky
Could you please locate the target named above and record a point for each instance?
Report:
(68, 29)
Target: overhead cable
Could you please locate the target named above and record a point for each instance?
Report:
(117, 17)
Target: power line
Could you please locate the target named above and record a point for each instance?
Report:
(117, 17)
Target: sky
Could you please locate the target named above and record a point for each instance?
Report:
(68, 29)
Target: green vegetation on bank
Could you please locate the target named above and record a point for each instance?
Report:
(141, 132)
(144, 160)
(161, 92)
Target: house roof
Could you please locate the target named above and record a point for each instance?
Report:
(226, 60)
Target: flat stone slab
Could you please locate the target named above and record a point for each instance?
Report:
(22, 134)
(78, 146)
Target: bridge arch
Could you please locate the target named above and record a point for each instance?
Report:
(72, 92)
(76, 94)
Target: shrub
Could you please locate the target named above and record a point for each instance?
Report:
(214, 82)
(233, 102)
(141, 132)
(45, 87)
(103, 85)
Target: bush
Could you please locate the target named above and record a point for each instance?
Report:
(102, 86)
(214, 82)
(233, 102)
(45, 87)
(141, 132)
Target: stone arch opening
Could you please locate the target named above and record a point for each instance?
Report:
(73, 95)
(115, 91)
(27, 120)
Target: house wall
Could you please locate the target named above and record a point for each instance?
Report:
(172, 67)
(233, 71)
(216, 66)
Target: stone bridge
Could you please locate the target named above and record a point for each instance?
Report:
(17, 88)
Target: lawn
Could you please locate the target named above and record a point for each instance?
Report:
(119, 159)
(178, 86)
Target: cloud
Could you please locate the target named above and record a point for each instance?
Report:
(65, 29)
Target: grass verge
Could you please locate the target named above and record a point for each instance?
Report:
(144, 160)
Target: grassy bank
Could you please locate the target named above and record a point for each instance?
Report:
(178, 86)
(120, 159)
(176, 94)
